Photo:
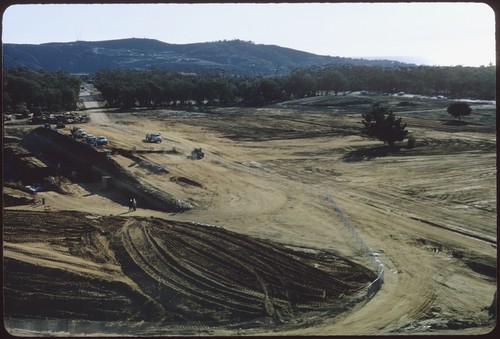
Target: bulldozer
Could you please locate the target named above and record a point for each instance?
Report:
(197, 153)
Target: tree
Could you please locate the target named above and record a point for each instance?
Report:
(301, 84)
(331, 80)
(39, 89)
(269, 89)
(457, 109)
(381, 123)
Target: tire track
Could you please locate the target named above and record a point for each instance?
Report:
(271, 257)
(287, 278)
(162, 270)
(193, 278)
(180, 253)
(226, 273)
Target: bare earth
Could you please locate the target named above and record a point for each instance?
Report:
(428, 213)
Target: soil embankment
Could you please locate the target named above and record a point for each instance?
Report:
(147, 269)
(73, 156)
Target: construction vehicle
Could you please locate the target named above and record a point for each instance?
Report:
(153, 137)
(197, 153)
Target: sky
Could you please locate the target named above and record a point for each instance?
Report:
(444, 34)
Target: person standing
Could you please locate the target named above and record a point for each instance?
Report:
(134, 204)
(130, 204)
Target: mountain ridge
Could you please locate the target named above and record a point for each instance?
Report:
(236, 57)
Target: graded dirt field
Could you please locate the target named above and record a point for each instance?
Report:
(264, 245)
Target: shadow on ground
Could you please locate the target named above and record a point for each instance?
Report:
(370, 153)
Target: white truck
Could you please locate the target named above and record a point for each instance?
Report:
(153, 137)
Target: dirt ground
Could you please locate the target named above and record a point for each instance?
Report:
(428, 214)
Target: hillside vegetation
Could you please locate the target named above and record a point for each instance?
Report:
(243, 58)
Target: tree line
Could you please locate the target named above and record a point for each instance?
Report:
(453, 82)
(26, 89)
(162, 88)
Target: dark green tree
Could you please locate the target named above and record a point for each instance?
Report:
(52, 91)
(269, 89)
(301, 83)
(331, 79)
(457, 109)
(249, 92)
(381, 123)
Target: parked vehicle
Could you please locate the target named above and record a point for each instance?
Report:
(91, 140)
(79, 133)
(153, 137)
(100, 140)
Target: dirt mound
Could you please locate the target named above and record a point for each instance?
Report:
(75, 157)
(74, 265)
(16, 197)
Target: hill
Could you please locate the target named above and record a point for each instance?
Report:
(231, 57)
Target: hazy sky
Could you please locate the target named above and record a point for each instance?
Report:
(424, 33)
